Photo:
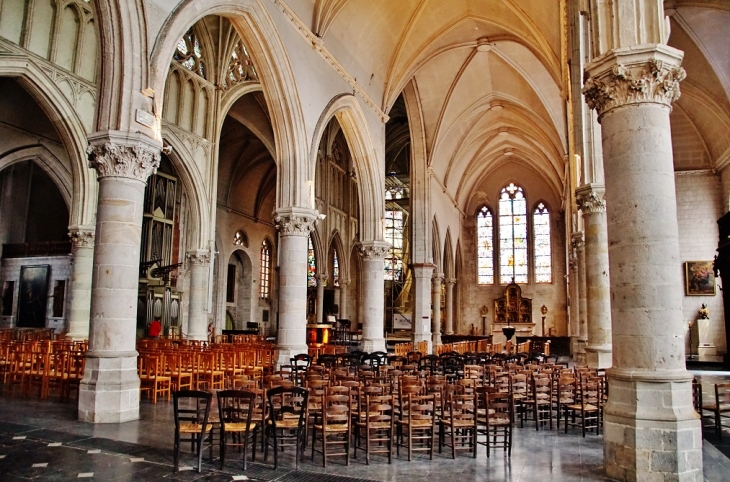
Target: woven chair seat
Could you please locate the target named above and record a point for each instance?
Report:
(194, 427)
(724, 407)
(238, 426)
(588, 407)
(333, 427)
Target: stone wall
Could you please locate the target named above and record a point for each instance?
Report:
(699, 207)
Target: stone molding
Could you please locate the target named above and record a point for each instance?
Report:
(635, 75)
(450, 281)
(81, 237)
(578, 240)
(321, 277)
(131, 161)
(373, 250)
(294, 224)
(591, 198)
(437, 278)
(198, 258)
(573, 264)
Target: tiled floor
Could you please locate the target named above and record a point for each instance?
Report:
(41, 440)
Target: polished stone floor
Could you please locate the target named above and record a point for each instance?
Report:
(41, 440)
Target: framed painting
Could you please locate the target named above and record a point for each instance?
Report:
(33, 296)
(699, 279)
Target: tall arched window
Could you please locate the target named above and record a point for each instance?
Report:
(311, 265)
(335, 269)
(485, 246)
(512, 235)
(394, 225)
(265, 275)
(541, 233)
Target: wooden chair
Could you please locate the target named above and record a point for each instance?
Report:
(418, 421)
(208, 375)
(589, 407)
(495, 419)
(180, 377)
(541, 400)
(720, 410)
(191, 410)
(235, 408)
(151, 378)
(566, 394)
(459, 424)
(285, 424)
(335, 428)
(376, 424)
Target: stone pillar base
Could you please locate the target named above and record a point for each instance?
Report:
(599, 356)
(109, 392)
(651, 431)
(286, 353)
(578, 347)
(371, 345)
(436, 339)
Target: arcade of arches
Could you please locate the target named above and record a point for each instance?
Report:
(258, 164)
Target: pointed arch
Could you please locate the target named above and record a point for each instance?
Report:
(50, 164)
(336, 244)
(436, 237)
(82, 209)
(448, 258)
(255, 26)
(368, 170)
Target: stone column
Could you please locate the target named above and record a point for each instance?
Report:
(422, 303)
(373, 323)
(651, 429)
(109, 391)
(580, 352)
(319, 310)
(79, 312)
(199, 266)
(574, 328)
(342, 312)
(449, 308)
(436, 280)
(294, 225)
(591, 201)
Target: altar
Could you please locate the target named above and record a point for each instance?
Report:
(512, 310)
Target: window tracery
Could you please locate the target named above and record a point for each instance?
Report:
(335, 269)
(265, 275)
(240, 239)
(512, 235)
(394, 225)
(311, 265)
(543, 257)
(190, 54)
(240, 66)
(485, 246)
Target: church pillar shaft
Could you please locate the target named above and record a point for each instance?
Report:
(598, 289)
(342, 307)
(422, 303)
(199, 262)
(579, 352)
(651, 429)
(436, 308)
(82, 250)
(449, 306)
(574, 297)
(373, 323)
(319, 313)
(109, 391)
(294, 227)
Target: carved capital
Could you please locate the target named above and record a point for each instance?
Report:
(578, 240)
(591, 198)
(450, 281)
(198, 258)
(634, 76)
(321, 277)
(573, 263)
(373, 250)
(81, 236)
(292, 222)
(114, 155)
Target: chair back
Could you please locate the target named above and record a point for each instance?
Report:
(287, 403)
(191, 407)
(236, 407)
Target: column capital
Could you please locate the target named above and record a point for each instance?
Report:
(198, 257)
(82, 236)
(437, 278)
(295, 221)
(591, 198)
(450, 281)
(573, 264)
(123, 154)
(578, 240)
(321, 277)
(373, 249)
(634, 75)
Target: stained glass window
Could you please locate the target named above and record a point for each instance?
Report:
(240, 66)
(394, 236)
(543, 258)
(240, 239)
(485, 246)
(311, 265)
(512, 235)
(265, 275)
(335, 269)
(190, 54)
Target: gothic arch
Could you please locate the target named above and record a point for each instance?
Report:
(256, 27)
(50, 165)
(371, 183)
(320, 257)
(336, 242)
(194, 188)
(82, 208)
(436, 237)
(448, 263)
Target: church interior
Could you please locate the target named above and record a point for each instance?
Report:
(374, 173)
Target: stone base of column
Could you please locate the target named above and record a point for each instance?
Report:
(286, 353)
(109, 392)
(578, 347)
(651, 431)
(599, 356)
(435, 340)
(419, 337)
(371, 345)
